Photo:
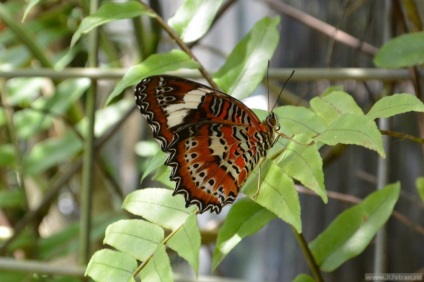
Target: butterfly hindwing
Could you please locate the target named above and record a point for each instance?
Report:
(213, 140)
(212, 161)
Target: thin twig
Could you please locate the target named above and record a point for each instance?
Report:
(403, 136)
(182, 45)
(322, 27)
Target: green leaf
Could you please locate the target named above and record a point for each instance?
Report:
(248, 62)
(420, 187)
(107, 265)
(25, 239)
(153, 65)
(12, 199)
(402, 51)
(158, 268)
(303, 278)
(10, 275)
(245, 218)
(394, 105)
(43, 110)
(277, 193)
(147, 149)
(110, 11)
(186, 242)
(351, 232)
(66, 94)
(194, 18)
(51, 152)
(29, 122)
(158, 206)
(31, 4)
(333, 105)
(106, 118)
(155, 162)
(2, 117)
(162, 175)
(7, 155)
(299, 120)
(135, 237)
(302, 161)
(332, 88)
(353, 129)
(23, 91)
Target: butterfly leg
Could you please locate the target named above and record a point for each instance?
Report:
(259, 178)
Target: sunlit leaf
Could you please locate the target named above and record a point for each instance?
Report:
(110, 11)
(194, 18)
(147, 148)
(158, 206)
(299, 120)
(158, 268)
(23, 91)
(186, 242)
(394, 105)
(353, 129)
(248, 62)
(31, 4)
(351, 232)
(333, 105)
(111, 266)
(135, 237)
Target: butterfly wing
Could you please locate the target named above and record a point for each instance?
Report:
(213, 140)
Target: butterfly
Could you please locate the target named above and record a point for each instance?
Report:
(213, 140)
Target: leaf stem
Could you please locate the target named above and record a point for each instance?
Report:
(144, 263)
(308, 255)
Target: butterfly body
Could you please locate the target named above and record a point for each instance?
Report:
(213, 140)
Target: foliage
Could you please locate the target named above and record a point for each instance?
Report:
(52, 110)
(402, 51)
(337, 120)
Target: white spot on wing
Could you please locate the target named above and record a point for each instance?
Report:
(176, 112)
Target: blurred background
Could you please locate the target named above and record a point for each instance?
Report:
(43, 122)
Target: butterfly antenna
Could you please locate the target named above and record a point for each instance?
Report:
(267, 82)
(282, 89)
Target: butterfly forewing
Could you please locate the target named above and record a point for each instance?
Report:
(213, 140)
